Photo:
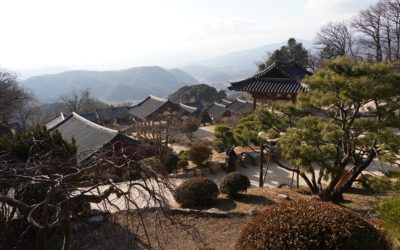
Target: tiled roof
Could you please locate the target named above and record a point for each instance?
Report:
(270, 85)
(224, 102)
(277, 78)
(198, 105)
(92, 116)
(290, 70)
(112, 113)
(89, 136)
(148, 106)
(187, 108)
(54, 121)
(239, 105)
(218, 109)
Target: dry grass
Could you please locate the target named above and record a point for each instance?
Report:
(121, 232)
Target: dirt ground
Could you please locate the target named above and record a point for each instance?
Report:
(125, 231)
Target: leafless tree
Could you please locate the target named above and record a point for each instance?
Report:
(30, 114)
(369, 23)
(315, 60)
(392, 29)
(67, 187)
(76, 101)
(81, 102)
(161, 131)
(12, 96)
(335, 39)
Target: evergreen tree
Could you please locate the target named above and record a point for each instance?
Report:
(339, 127)
(293, 51)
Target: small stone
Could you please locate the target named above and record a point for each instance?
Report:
(95, 219)
(254, 211)
(283, 197)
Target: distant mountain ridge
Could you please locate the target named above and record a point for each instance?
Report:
(234, 66)
(113, 86)
(139, 82)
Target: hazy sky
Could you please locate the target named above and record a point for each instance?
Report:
(116, 33)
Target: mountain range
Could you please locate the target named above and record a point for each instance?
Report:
(113, 86)
(136, 83)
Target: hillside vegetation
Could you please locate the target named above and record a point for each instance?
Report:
(123, 85)
(197, 93)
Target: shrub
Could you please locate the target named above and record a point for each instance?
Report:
(224, 138)
(379, 184)
(310, 224)
(389, 210)
(189, 127)
(183, 155)
(171, 162)
(234, 183)
(196, 192)
(205, 117)
(183, 164)
(199, 153)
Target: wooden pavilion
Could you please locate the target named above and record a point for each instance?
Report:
(279, 81)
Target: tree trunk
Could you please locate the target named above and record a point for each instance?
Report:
(67, 231)
(41, 238)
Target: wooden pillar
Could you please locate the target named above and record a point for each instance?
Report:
(254, 103)
(293, 97)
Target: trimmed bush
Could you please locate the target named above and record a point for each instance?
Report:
(234, 183)
(310, 224)
(199, 153)
(171, 162)
(196, 192)
(183, 155)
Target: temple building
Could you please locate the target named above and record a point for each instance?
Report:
(54, 121)
(279, 81)
(89, 136)
(155, 108)
(226, 108)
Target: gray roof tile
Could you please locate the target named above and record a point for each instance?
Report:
(89, 136)
(54, 121)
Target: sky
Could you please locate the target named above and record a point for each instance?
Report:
(111, 34)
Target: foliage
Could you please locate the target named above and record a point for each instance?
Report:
(310, 224)
(234, 183)
(22, 145)
(171, 162)
(205, 117)
(189, 126)
(246, 132)
(198, 93)
(196, 192)
(389, 210)
(292, 51)
(183, 160)
(379, 184)
(183, 155)
(224, 138)
(346, 118)
(199, 153)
